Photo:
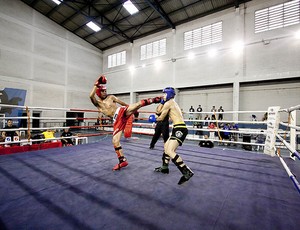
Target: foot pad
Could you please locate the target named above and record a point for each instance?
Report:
(162, 170)
(186, 176)
(120, 165)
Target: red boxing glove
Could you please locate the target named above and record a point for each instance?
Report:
(100, 81)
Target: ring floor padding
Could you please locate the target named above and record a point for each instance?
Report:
(75, 188)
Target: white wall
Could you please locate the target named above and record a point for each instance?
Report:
(38, 55)
(258, 62)
(57, 68)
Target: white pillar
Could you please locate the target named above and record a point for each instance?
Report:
(133, 96)
(235, 99)
(293, 131)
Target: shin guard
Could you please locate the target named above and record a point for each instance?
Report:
(165, 159)
(178, 163)
(187, 173)
(118, 150)
(165, 164)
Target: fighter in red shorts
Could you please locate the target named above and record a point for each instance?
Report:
(107, 104)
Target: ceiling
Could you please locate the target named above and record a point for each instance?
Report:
(117, 25)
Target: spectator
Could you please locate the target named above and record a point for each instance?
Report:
(136, 116)
(199, 110)
(253, 117)
(2, 139)
(48, 134)
(191, 115)
(260, 139)
(220, 116)
(226, 134)
(234, 135)
(265, 117)
(12, 135)
(213, 110)
(207, 119)
(199, 126)
(211, 128)
(67, 141)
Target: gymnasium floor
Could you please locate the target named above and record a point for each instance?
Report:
(75, 188)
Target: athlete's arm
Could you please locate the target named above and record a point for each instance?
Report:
(117, 100)
(159, 109)
(164, 111)
(92, 96)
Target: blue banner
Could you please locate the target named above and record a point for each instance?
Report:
(11, 96)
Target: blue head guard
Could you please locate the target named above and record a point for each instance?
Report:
(170, 91)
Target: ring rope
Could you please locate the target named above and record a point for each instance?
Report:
(101, 125)
(292, 150)
(290, 126)
(290, 174)
(48, 108)
(289, 145)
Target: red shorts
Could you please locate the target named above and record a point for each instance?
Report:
(120, 119)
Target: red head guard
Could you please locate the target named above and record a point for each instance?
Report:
(100, 88)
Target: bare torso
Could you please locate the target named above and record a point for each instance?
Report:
(174, 111)
(107, 106)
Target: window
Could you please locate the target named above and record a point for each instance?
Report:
(278, 16)
(203, 36)
(117, 59)
(154, 49)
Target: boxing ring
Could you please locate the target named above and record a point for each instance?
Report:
(74, 187)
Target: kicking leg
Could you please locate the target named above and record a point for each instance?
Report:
(119, 151)
(134, 107)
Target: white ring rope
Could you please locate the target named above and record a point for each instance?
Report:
(290, 126)
(47, 108)
(290, 174)
(226, 112)
(291, 109)
(289, 146)
(227, 121)
(191, 128)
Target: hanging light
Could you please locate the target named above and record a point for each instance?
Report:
(93, 26)
(130, 7)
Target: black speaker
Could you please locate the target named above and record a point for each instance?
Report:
(206, 144)
(247, 138)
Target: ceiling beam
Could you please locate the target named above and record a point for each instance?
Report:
(157, 7)
(112, 27)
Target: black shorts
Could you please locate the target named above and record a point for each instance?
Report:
(179, 133)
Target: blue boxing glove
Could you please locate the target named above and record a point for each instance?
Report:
(152, 118)
(162, 101)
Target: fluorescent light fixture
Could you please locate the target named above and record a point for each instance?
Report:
(93, 26)
(130, 7)
(57, 1)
